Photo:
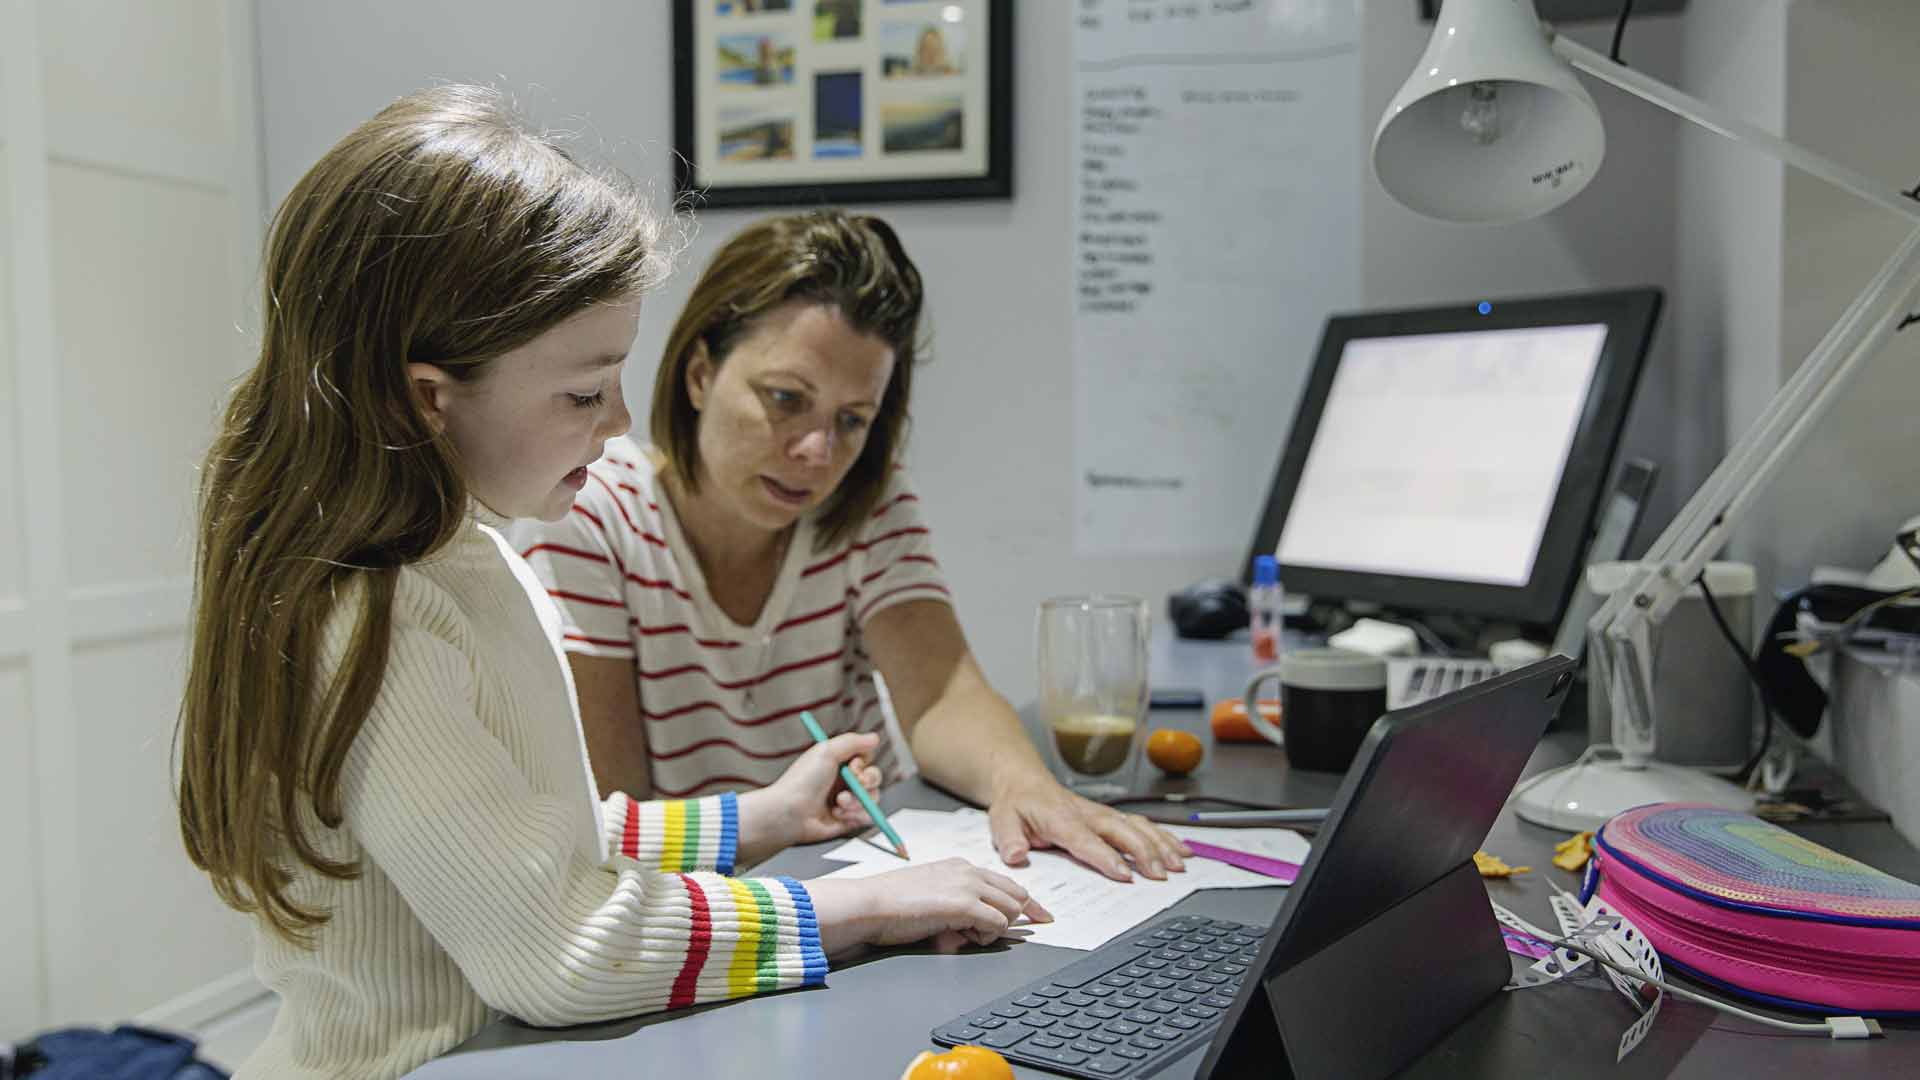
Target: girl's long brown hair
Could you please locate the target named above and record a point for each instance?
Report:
(442, 231)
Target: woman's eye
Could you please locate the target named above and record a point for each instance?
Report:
(588, 401)
(786, 399)
(852, 423)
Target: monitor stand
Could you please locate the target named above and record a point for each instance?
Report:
(1370, 1002)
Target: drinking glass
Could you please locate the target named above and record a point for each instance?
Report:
(1092, 654)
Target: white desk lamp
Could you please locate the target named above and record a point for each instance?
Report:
(1493, 126)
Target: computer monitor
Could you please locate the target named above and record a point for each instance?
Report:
(1450, 459)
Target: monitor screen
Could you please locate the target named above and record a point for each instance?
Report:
(1459, 439)
(1450, 459)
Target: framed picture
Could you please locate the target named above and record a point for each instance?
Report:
(1575, 10)
(784, 102)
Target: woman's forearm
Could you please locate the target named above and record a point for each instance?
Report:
(972, 743)
(609, 700)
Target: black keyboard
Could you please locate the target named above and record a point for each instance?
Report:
(1127, 1009)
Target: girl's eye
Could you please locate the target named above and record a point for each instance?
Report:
(852, 423)
(786, 399)
(588, 401)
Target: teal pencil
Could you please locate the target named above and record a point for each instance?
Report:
(859, 791)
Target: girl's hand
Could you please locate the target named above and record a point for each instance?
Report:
(952, 901)
(809, 802)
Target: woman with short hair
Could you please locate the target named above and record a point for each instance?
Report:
(766, 554)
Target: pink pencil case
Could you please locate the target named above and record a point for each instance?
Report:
(1745, 905)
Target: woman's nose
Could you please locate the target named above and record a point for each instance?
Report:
(815, 447)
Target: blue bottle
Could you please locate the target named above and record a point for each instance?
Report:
(1263, 609)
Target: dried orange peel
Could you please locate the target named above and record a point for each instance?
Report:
(1492, 866)
(1572, 853)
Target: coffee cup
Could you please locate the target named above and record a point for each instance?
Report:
(1329, 698)
(1092, 654)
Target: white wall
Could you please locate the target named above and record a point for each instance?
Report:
(1728, 230)
(129, 197)
(1769, 257)
(1844, 493)
(992, 442)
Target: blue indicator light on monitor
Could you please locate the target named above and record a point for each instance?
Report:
(1486, 308)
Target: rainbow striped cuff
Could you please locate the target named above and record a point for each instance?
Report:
(748, 936)
(675, 835)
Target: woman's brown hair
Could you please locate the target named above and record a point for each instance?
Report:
(854, 265)
(442, 231)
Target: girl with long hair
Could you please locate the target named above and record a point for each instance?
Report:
(380, 754)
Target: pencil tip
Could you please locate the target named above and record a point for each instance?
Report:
(903, 853)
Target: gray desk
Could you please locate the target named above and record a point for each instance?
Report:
(875, 1012)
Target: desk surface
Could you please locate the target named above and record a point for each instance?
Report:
(876, 1011)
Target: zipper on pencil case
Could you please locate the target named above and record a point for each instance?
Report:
(1651, 912)
(1713, 940)
(1709, 940)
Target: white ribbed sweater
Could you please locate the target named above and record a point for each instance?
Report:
(492, 881)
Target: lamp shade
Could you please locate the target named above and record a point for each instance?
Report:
(1491, 126)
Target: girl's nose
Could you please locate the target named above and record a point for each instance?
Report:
(618, 420)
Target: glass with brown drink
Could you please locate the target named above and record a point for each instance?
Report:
(1093, 688)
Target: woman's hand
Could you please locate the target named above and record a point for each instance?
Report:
(809, 802)
(952, 901)
(1034, 811)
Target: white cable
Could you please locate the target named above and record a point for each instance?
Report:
(1837, 1027)
(1591, 753)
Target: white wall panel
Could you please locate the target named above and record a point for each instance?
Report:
(35, 634)
(13, 545)
(144, 316)
(148, 927)
(19, 907)
(155, 68)
(1850, 94)
(129, 182)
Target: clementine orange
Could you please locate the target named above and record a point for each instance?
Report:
(959, 1063)
(1177, 753)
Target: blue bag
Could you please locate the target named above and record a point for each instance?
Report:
(125, 1053)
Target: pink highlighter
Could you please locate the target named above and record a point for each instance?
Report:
(1279, 869)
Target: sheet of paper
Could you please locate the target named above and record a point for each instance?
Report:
(1089, 909)
(932, 827)
(1219, 151)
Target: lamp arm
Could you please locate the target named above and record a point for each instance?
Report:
(1623, 630)
(1624, 625)
(1721, 122)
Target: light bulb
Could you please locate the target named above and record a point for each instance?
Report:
(1481, 118)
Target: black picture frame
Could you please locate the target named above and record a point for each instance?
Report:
(1576, 10)
(779, 156)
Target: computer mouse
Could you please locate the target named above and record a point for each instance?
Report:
(1208, 609)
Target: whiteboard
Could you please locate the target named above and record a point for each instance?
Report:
(1218, 163)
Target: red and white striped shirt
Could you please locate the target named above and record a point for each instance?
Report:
(722, 701)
